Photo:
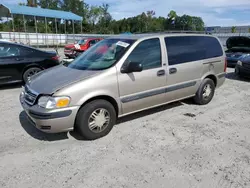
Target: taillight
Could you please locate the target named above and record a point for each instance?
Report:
(56, 58)
(225, 65)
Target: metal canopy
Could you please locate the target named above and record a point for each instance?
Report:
(7, 10)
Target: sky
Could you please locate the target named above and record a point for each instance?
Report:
(213, 12)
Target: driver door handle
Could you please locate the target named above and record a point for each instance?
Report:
(161, 73)
(19, 59)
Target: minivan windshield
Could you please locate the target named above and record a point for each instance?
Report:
(102, 55)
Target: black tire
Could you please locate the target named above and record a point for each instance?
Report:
(84, 115)
(237, 72)
(30, 72)
(199, 97)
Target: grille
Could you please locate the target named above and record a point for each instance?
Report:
(231, 62)
(246, 65)
(29, 96)
(68, 49)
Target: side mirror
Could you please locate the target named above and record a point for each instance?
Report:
(131, 67)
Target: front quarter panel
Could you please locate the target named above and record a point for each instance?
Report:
(104, 84)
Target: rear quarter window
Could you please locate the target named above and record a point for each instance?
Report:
(184, 49)
(26, 51)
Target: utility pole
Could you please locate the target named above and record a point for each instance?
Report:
(83, 14)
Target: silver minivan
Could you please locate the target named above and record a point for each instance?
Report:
(122, 75)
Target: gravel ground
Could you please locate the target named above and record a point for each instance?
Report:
(180, 145)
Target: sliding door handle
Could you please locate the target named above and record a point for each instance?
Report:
(172, 70)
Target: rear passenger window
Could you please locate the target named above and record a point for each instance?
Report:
(148, 53)
(183, 49)
(25, 51)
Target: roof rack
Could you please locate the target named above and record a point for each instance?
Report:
(172, 31)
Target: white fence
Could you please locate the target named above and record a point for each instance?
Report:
(42, 39)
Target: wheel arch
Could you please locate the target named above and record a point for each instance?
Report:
(103, 97)
(212, 77)
(31, 66)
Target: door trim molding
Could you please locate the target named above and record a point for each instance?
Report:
(4, 77)
(157, 92)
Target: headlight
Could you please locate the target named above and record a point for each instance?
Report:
(239, 63)
(53, 102)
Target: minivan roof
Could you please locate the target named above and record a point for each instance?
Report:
(144, 36)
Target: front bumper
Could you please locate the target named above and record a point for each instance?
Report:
(231, 63)
(69, 53)
(220, 79)
(50, 121)
(242, 71)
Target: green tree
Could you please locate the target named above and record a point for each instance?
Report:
(50, 4)
(94, 14)
(150, 14)
(143, 20)
(32, 3)
(171, 20)
(172, 14)
(97, 19)
(75, 6)
(233, 29)
(22, 4)
(105, 19)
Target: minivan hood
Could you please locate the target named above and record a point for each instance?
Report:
(246, 59)
(56, 78)
(238, 41)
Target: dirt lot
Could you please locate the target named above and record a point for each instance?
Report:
(176, 146)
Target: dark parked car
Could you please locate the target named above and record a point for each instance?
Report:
(18, 62)
(237, 48)
(242, 68)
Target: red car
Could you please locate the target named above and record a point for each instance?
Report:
(73, 50)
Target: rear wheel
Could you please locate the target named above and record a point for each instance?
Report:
(95, 119)
(30, 72)
(205, 92)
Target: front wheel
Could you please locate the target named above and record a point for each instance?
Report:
(95, 119)
(205, 92)
(30, 72)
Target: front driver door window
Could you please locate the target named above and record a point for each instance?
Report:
(144, 89)
(148, 53)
